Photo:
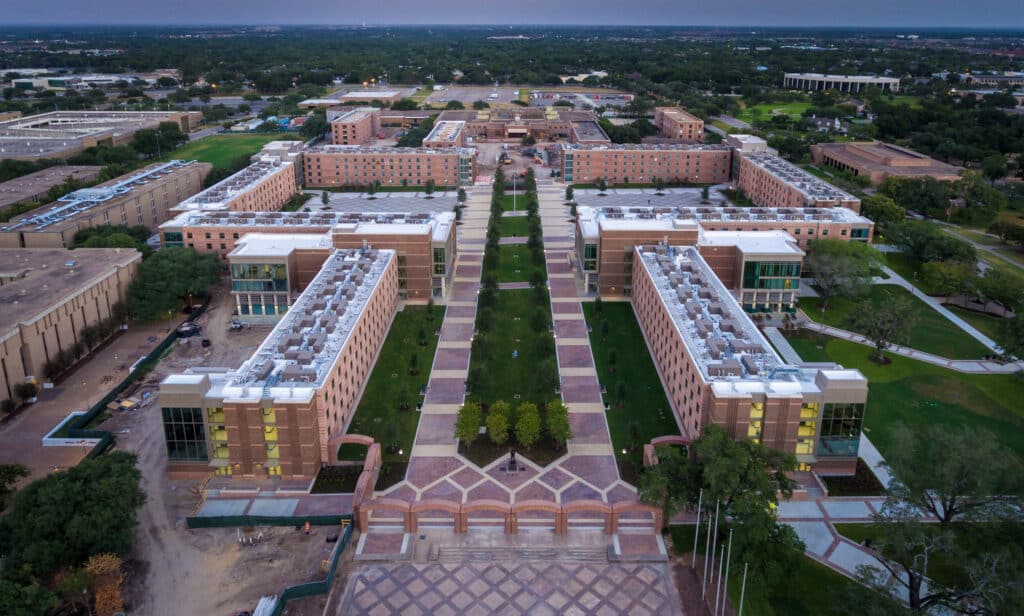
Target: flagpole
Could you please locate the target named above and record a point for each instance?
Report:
(743, 588)
(719, 587)
(728, 556)
(696, 529)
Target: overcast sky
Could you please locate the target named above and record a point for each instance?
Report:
(898, 13)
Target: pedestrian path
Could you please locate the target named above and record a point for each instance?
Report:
(896, 279)
(968, 366)
(782, 345)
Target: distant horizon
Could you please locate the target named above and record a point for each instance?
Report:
(512, 27)
(915, 14)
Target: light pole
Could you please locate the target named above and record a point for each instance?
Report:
(513, 191)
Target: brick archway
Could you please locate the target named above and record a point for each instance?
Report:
(384, 504)
(540, 505)
(435, 505)
(487, 504)
(590, 506)
(622, 507)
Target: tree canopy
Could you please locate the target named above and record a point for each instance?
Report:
(61, 520)
(168, 279)
(840, 268)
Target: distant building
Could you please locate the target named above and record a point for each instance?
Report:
(34, 186)
(61, 134)
(446, 134)
(607, 229)
(355, 126)
(388, 97)
(144, 197)
(51, 295)
(843, 83)
(425, 243)
(263, 186)
(677, 123)
(541, 123)
(339, 166)
(877, 161)
(772, 182)
(639, 163)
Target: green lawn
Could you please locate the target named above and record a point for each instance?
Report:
(514, 263)
(917, 394)
(810, 590)
(985, 323)
(646, 408)
(378, 414)
(221, 150)
(514, 226)
(501, 376)
(932, 333)
(765, 111)
(516, 204)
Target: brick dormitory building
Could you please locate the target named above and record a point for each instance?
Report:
(331, 281)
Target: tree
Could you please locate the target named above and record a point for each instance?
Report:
(568, 193)
(314, 127)
(371, 188)
(612, 358)
(405, 104)
(705, 193)
(467, 423)
(602, 184)
(905, 547)
(882, 209)
(886, 324)
(998, 286)
(946, 278)
(952, 474)
(414, 363)
(428, 188)
(431, 308)
(25, 391)
(599, 307)
(668, 483)
(325, 198)
(840, 268)
(461, 195)
(497, 426)
(528, 425)
(557, 422)
(10, 474)
(61, 520)
(478, 105)
(1011, 336)
(994, 167)
(454, 104)
(168, 278)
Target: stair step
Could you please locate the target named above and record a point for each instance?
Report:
(453, 554)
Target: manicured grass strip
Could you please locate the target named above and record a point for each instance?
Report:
(222, 150)
(810, 589)
(514, 226)
(932, 333)
(917, 394)
(515, 263)
(765, 111)
(503, 377)
(516, 203)
(378, 414)
(646, 412)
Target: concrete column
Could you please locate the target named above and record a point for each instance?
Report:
(511, 523)
(611, 523)
(410, 520)
(461, 522)
(362, 519)
(561, 522)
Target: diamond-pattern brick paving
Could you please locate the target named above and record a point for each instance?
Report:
(511, 588)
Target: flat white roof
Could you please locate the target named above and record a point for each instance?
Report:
(754, 242)
(218, 195)
(371, 94)
(277, 244)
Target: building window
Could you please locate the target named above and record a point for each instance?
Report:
(439, 262)
(841, 424)
(590, 257)
(185, 433)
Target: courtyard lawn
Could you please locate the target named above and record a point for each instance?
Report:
(646, 410)
(222, 150)
(514, 263)
(932, 333)
(378, 414)
(810, 590)
(501, 376)
(514, 226)
(987, 324)
(518, 204)
(916, 394)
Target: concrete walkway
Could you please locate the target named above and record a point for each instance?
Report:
(967, 366)
(896, 279)
(782, 345)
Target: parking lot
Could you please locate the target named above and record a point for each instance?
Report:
(467, 95)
